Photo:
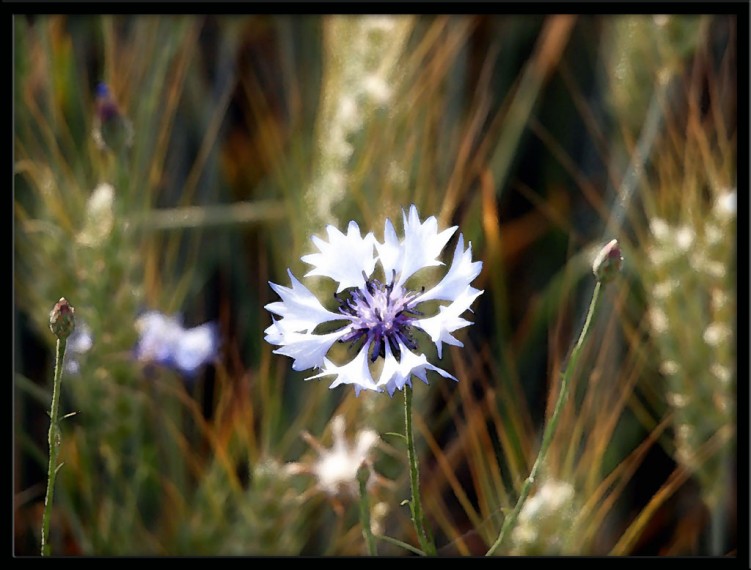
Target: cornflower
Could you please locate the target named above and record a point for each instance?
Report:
(381, 318)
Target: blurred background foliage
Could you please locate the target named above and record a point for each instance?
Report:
(541, 137)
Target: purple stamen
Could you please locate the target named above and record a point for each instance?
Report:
(382, 314)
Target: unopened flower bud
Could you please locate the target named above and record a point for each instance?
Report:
(608, 262)
(363, 472)
(112, 129)
(62, 321)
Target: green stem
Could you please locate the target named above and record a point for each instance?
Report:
(547, 436)
(415, 505)
(367, 533)
(53, 439)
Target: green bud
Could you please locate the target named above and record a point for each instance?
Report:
(608, 262)
(62, 321)
(363, 473)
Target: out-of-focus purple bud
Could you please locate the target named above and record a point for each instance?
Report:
(112, 129)
(106, 107)
(62, 319)
(608, 262)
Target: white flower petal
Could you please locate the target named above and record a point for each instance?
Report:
(390, 373)
(462, 272)
(355, 372)
(307, 350)
(300, 309)
(390, 251)
(279, 329)
(422, 244)
(344, 257)
(439, 327)
(418, 365)
(274, 332)
(396, 374)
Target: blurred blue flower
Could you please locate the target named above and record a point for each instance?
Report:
(79, 343)
(163, 340)
(379, 318)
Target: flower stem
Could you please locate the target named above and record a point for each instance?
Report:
(547, 436)
(53, 439)
(415, 505)
(367, 533)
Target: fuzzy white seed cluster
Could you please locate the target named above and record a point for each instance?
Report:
(361, 78)
(545, 521)
(100, 216)
(690, 283)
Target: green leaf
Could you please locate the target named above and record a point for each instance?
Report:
(399, 435)
(401, 544)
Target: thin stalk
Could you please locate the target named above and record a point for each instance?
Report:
(400, 544)
(547, 437)
(53, 439)
(415, 505)
(367, 533)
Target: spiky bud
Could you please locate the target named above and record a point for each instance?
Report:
(62, 320)
(608, 262)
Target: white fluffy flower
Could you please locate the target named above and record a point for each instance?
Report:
(382, 320)
(336, 467)
(726, 205)
(100, 216)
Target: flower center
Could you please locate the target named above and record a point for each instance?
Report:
(380, 314)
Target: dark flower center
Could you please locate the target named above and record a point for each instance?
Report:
(380, 314)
